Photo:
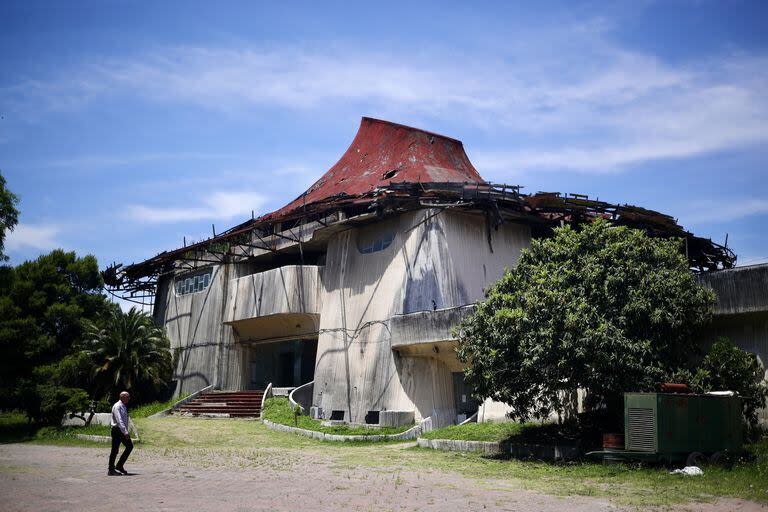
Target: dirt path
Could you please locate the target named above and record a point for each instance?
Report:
(52, 478)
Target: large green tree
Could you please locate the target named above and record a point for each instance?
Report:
(43, 306)
(129, 351)
(602, 308)
(9, 215)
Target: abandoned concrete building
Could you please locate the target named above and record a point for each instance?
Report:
(350, 291)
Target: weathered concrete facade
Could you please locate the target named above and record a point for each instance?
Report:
(435, 262)
(204, 345)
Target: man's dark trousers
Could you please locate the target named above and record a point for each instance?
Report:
(117, 438)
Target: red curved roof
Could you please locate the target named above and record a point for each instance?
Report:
(384, 153)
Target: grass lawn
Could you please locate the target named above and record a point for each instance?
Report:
(278, 410)
(494, 432)
(248, 443)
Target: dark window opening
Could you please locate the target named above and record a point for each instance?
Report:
(337, 415)
(372, 418)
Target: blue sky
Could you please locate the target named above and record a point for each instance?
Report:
(125, 127)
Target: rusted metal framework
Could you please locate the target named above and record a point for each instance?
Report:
(498, 202)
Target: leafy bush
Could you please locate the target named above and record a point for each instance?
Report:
(728, 368)
(47, 403)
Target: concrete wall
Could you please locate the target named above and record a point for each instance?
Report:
(288, 289)
(427, 327)
(193, 322)
(434, 261)
(739, 290)
(281, 303)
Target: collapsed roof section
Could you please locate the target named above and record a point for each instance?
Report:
(391, 168)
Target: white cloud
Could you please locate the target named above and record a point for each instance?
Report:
(32, 236)
(101, 161)
(725, 210)
(219, 205)
(572, 101)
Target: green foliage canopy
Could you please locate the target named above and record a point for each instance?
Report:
(605, 309)
(9, 215)
(728, 368)
(43, 306)
(128, 351)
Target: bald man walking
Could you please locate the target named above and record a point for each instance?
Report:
(120, 435)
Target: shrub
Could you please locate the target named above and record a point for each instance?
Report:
(604, 309)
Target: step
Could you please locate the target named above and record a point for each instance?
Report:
(234, 409)
(235, 393)
(221, 415)
(225, 404)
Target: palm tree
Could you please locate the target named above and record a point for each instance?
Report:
(128, 351)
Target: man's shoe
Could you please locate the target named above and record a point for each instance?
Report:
(112, 472)
(121, 470)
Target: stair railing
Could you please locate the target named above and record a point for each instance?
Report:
(267, 394)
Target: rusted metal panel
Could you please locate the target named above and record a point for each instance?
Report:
(383, 153)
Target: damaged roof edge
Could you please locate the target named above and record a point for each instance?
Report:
(546, 208)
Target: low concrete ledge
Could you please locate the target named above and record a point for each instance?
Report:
(425, 327)
(99, 418)
(409, 434)
(455, 445)
(102, 439)
(395, 418)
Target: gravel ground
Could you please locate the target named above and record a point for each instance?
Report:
(55, 478)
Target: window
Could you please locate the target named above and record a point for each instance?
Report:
(370, 242)
(194, 283)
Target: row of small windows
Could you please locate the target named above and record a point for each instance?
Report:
(192, 284)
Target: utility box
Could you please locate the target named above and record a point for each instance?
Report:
(673, 425)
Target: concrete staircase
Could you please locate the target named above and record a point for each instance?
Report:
(225, 404)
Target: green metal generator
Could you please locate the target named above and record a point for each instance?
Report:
(679, 427)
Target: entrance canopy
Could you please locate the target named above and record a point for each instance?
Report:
(286, 326)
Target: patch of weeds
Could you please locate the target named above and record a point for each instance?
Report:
(146, 410)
